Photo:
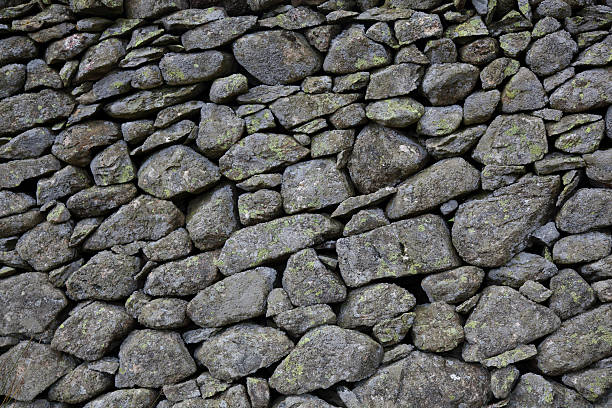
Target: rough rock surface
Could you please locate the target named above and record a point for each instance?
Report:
(275, 204)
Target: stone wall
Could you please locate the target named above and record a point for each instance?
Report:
(342, 203)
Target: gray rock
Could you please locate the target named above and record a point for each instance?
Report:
(301, 108)
(440, 121)
(391, 331)
(307, 281)
(92, 330)
(14, 203)
(294, 19)
(313, 185)
(571, 294)
(65, 182)
(29, 304)
(503, 381)
(480, 106)
(587, 209)
(96, 201)
(585, 247)
(520, 353)
(39, 367)
(212, 217)
(22, 112)
(267, 93)
(353, 204)
(12, 79)
(418, 245)
(46, 246)
(426, 380)
(16, 49)
(454, 286)
(494, 74)
(135, 398)
(401, 154)
(513, 44)
(106, 276)
(277, 302)
(441, 51)
(260, 206)
(447, 84)
(444, 180)
(262, 120)
(151, 358)
(395, 112)
(151, 9)
(243, 349)
(394, 80)
(184, 69)
(238, 297)
(164, 313)
(191, 18)
(113, 165)
(365, 220)
(593, 382)
(144, 218)
(352, 51)
(225, 89)
(80, 385)
(69, 47)
(75, 144)
(217, 33)
(555, 162)
(175, 245)
(522, 268)
(437, 327)
(317, 84)
(511, 213)
(327, 355)
(480, 51)
(594, 87)
(299, 320)
(100, 59)
(349, 116)
(259, 392)
(598, 166)
(371, 304)
(20, 223)
(29, 144)
(113, 84)
(455, 144)
(41, 75)
(418, 26)
(182, 278)
(552, 53)
(176, 170)
(598, 270)
(144, 103)
(502, 320)
(522, 92)
(173, 134)
(584, 139)
(276, 57)
(260, 153)
(494, 176)
(512, 140)
(181, 391)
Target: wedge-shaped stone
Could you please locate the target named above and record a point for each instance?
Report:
(144, 103)
(300, 108)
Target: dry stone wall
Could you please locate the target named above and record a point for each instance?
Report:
(341, 203)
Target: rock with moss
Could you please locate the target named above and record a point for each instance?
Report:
(523, 92)
(80, 385)
(46, 246)
(587, 90)
(184, 277)
(395, 112)
(93, 330)
(588, 208)
(519, 353)
(216, 33)
(352, 51)
(418, 245)
(571, 294)
(301, 319)
(417, 27)
(581, 140)
(447, 84)
(454, 286)
(440, 121)
(552, 53)
(592, 382)
(301, 108)
(96, 200)
(437, 327)
(503, 381)
(534, 391)
(259, 206)
(521, 268)
(394, 80)
(579, 248)
(113, 165)
(243, 349)
(428, 380)
(143, 103)
(164, 313)
(100, 59)
(325, 356)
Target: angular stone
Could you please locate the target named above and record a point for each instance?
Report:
(185, 69)
(69, 47)
(100, 59)
(352, 51)
(175, 245)
(182, 278)
(299, 320)
(191, 18)
(80, 385)
(394, 80)
(25, 111)
(134, 398)
(417, 27)
(41, 75)
(426, 380)
(440, 121)
(219, 129)
(579, 248)
(144, 218)
(353, 204)
(113, 84)
(395, 112)
(29, 144)
(19, 223)
(437, 327)
(12, 79)
(480, 106)
(212, 217)
(91, 331)
(369, 305)
(551, 53)
(365, 220)
(113, 165)
(164, 313)
(524, 91)
(173, 134)
(325, 356)
(494, 74)
(584, 139)
(418, 245)
(153, 8)
(176, 170)
(243, 349)
(447, 84)
(401, 154)
(491, 230)
(152, 358)
(14, 203)
(533, 391)
(144, 103)
(587, 90)
(276, 57)
(36, 366)
(522, 268)
(455, 144)
(520, 353)
(46, 246)
(29, 304)
(217, 33)
(454, 286)
(74, 145)
(301, 108)
(588, 208)
(253, 246)
(571, 294)
(592, 383)
(502, 320)
(260, 153)
(433, 186)
(96, 201)
(16, 49)
(260, 206)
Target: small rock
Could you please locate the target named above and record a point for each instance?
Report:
(522, 268)
(591, 84)
(480, 106)
(394, 80)
(571, 294)
(260, 206)
(446, 84)
(587, 209)
(184, 69)
(520, 353)
(365, 220)
(524, 91)
(437, 327)
(440, 121)
(164, 313)
(551, 53)
(299, 320)
(503, 381)
(46, 246)
(586, 247)
(217, 33)
(395, 112)
(454, 286)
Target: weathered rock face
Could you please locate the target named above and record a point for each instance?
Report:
(307, 204)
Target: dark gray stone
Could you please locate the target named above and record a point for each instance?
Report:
(571, 294)
(454, 286)
(522, 268)
(352, 51)
(184, 277)
(75, 144)
(447, 84)
(46, 246)
(588, 208)
(217, 33)
(96, 200)
(437, 327)
(185, 69)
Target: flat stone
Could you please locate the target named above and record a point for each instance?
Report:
(437, 327)
(352, 51)
(301, 319)
(593, 383)
(520, 353)
(96, 200)
(243, 349)
(503, 319)
(395, 112)
(41, 75)
(585, 139)
(354, 204)
(394, 80)
(267, 93)
(579, 248)
(426, 190)
(417, 27)
(301, 108)
(522, 268)
(27, 145)
(74, 145)
(175, 245)
(260, 206)
(16, 49)
(455, 144)
(144, 103)
(511, 212)
(153, 8)
(12, 79)
(217, 33)
(327, 355)
(185, 69)
(136, 398)
(587, 90)
(454, 286)
(28, 110)
(91, 331)
(164, 313)
(80, 385)
(46, 246)
(447, 84)
(253, 246)
(440, 120)
(184, 277)
(100, 59)
(588, 208)
(191, 18)
(113, 165)
(533, 390)
(276, 57)
(418, 245)
(69, 47)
